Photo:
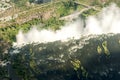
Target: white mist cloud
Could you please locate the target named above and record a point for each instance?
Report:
(72, 30)
(107, 21)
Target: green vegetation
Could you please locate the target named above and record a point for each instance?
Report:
(76, 64)
(53, 24)
(99, 50)
(9, 33)
(104, 47)
(66, 8)
(106, 50)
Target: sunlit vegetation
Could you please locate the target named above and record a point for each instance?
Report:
(53, 24)
(106, 50)
(66, 8)
(99, 50)
(9, 33)
(88, 13)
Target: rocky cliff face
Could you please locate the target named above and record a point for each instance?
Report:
(88, 58)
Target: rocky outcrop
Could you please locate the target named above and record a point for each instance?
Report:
(89, 58)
